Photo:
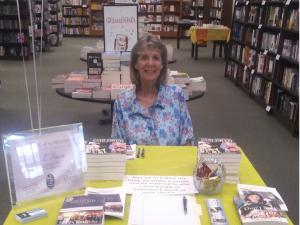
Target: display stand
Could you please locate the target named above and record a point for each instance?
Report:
(44, 162)
(120, 27)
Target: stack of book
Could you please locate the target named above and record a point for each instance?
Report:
(197, 84)
(74, 81)
(117, 88)
(125, 75)
(179, 78)
(109, 77)
(106, 159)
(101, 92)
(260, 205)
(91, 83)
(82, 93)
(226, 151)
(111, 60)
(59, 81)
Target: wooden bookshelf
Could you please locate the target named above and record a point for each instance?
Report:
(76, 16)
(42, 25)
(14, 42)
(56, 22)
(215, 14)
(264, 56)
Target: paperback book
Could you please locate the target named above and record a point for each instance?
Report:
(114, 200)
(258, 205)
(82, 210)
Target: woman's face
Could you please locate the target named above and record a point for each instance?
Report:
(149, 65)
(254, 198)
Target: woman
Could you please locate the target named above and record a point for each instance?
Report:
(152, 113)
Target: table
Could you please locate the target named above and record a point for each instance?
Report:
(195, 95)
(109, 101)
(183, 24)
(159, 160)
(207, 33)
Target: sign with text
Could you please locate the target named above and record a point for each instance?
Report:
(120, 27)
(161, 185)
(44, 163)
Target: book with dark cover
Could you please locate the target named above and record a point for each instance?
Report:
(82, 210)
(94, 64)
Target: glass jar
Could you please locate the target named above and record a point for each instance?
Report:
(209, 175)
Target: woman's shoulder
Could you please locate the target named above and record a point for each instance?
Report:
(126, 94)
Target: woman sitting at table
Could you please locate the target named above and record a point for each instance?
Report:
(152, 113)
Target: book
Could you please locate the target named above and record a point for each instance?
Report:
(114, 199)
(272, 200)
(258, 205)
(216, 211)
(82, 210)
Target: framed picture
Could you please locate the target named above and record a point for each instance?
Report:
(120, 27)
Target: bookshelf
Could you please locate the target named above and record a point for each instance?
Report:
(263, 58)
(215, 14)
(56, 22)
(160, 17)
(76, 15)
(96, 18)
(42, 25)
(14, 42)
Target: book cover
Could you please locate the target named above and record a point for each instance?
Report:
(257, 214)
(264, 198)
(114, 200)
(218, 146)
(104, 146)
(82, 210)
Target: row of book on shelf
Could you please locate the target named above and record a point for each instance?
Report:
(106, 159)
(76, 21)
(70, 11)
(157, 8)
(158, 18)
(262, 87)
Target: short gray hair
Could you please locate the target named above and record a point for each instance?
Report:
(152, 42)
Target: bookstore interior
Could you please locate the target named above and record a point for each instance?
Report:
(91, 178)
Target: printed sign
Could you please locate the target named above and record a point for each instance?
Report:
(120, 27)
(44, 164)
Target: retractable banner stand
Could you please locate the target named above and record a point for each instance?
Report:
(44, 162)
(120, 27)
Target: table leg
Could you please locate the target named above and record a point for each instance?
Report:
(193, 49)
(178, 36)
(214, 49)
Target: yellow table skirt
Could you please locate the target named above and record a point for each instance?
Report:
(159, 160)
(213, 33)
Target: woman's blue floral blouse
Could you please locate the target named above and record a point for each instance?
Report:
(166, 122)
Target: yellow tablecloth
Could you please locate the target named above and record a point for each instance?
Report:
(158, 161)
(219, 33)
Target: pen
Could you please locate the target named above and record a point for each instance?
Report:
(143, 153)
(184, 201)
